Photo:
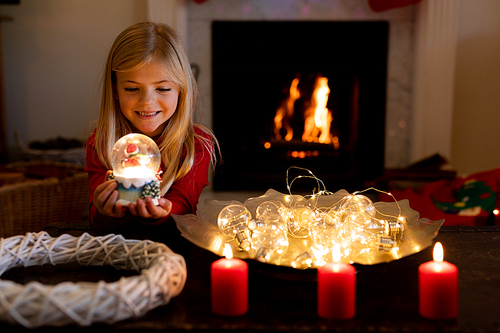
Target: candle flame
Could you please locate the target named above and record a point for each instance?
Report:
(228, 252)
(336, 253)
(438, 253)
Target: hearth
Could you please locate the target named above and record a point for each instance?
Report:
(309, 94)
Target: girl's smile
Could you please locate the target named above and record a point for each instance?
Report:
(147, 98)
(147, 114)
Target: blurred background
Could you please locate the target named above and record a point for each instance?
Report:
(53, 55)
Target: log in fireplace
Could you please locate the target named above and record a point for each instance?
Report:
(308, 94)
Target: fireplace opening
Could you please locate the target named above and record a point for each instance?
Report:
(304, 94)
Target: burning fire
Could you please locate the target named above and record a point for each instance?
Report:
(285, 112)
(318, 118)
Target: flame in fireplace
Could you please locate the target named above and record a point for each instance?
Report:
(285, 112)
(317, 117)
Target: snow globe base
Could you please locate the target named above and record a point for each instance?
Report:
(131, 189)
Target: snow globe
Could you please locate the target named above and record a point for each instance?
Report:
(136, 163)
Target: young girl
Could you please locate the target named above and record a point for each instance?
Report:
(148, 88)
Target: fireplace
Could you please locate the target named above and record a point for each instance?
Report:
(306, 94)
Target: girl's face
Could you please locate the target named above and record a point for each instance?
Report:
(147, 97)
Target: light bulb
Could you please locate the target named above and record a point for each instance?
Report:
(272, 211)
(269, 240)
(358, 204)
(269, 211)
(301, 218)
(136, 160)
(324, 233)
(365, 233)
(303, 214)
(233, 221)
(368, 237)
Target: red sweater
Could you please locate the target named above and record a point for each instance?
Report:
(184, 195)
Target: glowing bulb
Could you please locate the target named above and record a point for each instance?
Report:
(273, 211)
(359, 204)
(303, 214)
(324, 234)
(366, 233)
(300, 221)
(269, 239)
(233, 221)
(367, 239)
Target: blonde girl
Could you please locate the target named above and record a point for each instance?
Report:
(148, 88)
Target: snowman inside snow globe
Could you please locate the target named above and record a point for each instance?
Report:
(136, 163)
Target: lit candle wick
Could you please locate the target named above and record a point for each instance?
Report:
(438, 255)
(227, 252)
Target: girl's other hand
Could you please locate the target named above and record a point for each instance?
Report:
(105, 197)
(147, 209)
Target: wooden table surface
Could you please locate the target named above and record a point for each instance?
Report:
(282, 299)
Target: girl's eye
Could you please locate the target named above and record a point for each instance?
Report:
(163, 89)
(131, 89)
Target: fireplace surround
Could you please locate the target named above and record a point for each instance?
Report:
(253, 65)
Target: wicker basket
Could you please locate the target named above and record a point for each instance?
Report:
(28, 206)
(74, 155)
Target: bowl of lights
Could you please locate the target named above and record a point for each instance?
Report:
(300, 231)
(136, 163)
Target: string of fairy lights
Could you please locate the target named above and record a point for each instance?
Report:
(353, 224)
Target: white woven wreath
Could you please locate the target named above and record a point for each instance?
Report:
(162, 276)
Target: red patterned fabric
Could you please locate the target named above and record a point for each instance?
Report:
(446, 191)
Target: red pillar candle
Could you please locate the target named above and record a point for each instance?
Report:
(229, 283)
(337, 290)
(438, 287)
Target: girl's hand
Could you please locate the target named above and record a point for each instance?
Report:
(105, 197)
(147, 209)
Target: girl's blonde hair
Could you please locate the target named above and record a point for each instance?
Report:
(136, 47)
